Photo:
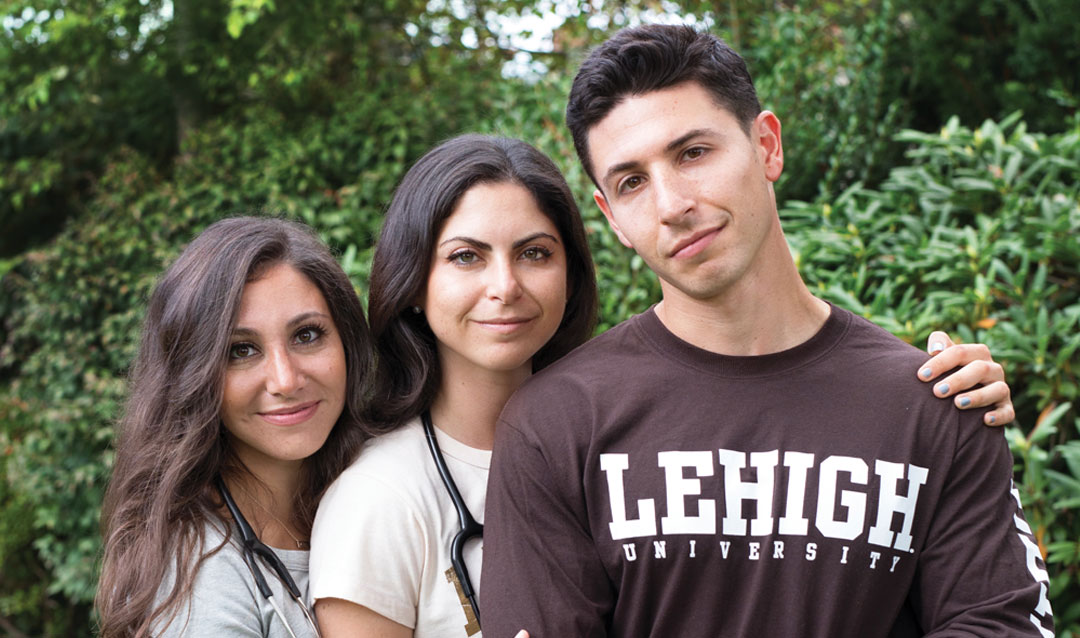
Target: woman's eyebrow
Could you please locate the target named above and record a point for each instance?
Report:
(533, 237)
(468, 240)
(307, 316)
(243, 331)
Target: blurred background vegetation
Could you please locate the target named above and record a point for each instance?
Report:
(932, 180)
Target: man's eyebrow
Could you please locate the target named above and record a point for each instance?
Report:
(671, 146)
(683, 139)
(621, 167)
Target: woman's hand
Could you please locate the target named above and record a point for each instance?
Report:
(977, 367)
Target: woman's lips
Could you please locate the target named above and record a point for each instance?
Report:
(504, 326)
(291, 415)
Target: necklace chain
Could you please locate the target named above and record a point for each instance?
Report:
(299, 543)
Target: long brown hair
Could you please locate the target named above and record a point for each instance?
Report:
(408, 373)
(170, 443)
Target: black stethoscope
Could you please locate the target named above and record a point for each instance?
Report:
(250, 547)
(469, 527)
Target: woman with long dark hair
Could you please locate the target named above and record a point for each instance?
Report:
(482, 276)
(245, 402)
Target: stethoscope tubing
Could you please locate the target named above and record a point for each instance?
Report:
(250, 547)
(469, 527)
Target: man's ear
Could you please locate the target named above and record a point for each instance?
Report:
(602, 202)
(766, 134)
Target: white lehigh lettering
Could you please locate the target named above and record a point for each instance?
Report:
(843, 555)
(793, 522)
(659, 549)
(613, 466)
(778, 549)
(855, 502)
(724, 547)
(874, 558)
(736, 491)
(631, 551)
(755, 548)
(811, 551)
(679, 487)
(895, 560)
(890, 502)
(692, 545)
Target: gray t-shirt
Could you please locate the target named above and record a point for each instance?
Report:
(226, 602)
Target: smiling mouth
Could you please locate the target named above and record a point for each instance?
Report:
(504, 326)
(694, 244)
(291, 415)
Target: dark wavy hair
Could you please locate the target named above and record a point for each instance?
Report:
(170, 440)
(407, 374)
(639, 60)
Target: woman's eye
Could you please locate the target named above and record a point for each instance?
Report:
(536, 253)
(464, 257)
(308, 335)
(239, 351)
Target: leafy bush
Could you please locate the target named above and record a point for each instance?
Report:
(315, 112)
(978, 235)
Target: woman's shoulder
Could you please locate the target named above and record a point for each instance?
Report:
(393, 454)
(222, 590)
(218, 562)
(389, 475)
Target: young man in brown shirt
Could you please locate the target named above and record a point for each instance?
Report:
(743, 459)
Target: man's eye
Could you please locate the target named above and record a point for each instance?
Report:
(694, 153)
(630, 183)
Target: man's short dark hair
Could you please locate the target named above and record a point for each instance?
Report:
(648, 58)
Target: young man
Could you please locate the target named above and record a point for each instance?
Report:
(744, 459)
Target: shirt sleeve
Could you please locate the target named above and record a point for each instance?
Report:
(367, 547)
(541, 571)
(981, 572)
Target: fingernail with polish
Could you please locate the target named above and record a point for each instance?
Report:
(925, 373)
(965, 402)
(991, 419)
(943, 388)
(936, 347)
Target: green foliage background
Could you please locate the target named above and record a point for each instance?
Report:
(932, 181)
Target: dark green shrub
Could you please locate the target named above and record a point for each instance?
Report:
(978, 235)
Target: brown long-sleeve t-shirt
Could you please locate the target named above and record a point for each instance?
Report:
(645, 487)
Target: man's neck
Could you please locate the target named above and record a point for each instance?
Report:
(767, 311)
